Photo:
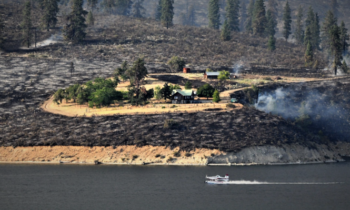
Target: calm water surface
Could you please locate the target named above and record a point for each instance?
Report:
(325, 186)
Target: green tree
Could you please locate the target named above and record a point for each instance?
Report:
(345, 67)
(174, 87)
(137, 73)
(299, 31)
(315, 31)
(2, 35)
(121, 72)
(158, 93)
(167, 13)
(205, 91)
(336, 47)
(310, 17)
(226, 32)
(90, 20)
(214, 14)
(287, 19)
(250, 17)
(49, 19)
(188, 85)
(176, 63)
(309, 54)
(224, 75)
(272, 43)
(166, 91)
(344, 37)
(216, 96)
(27, 24)
(74, 30)
(138, 10)
(232, 14)
(259, 21)
(328, 24)
(158, 12)
(271, 24)
(92, 4)
(308, 36)
(59, 96)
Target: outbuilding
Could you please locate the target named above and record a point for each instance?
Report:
(186, 70)
(211, 75)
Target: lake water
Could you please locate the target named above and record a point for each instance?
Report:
(323, 186)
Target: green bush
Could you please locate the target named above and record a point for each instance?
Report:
(206, 91)
(216, 96)
(91, 104)
(176, 63)
(232, 106)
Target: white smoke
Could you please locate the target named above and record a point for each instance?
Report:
(240, 65)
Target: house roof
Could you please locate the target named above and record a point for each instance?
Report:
(183, 92)
(213, 73)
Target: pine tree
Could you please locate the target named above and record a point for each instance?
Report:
(138, 10)
(344, 37)
(158, 13)
(226, 32)
(328, 24)
(271, 24)
(272, 6)
(243, 16)
(27, 24)
(49, 18)
(123, 6)
(167, 13)
(249, 22)
(310, 18)
(335, 47)
(299, 31)
(272, 43)
(75, 28)
(309, 54)
(345, 67)
(2, 38)
(315, 31)
(90, 20)
(287, 19)
(92, 4)
(232, 14)
(259, 20)
(308, 36)
(214, 14)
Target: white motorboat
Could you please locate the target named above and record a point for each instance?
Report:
(217, 179)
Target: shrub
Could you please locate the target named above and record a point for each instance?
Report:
(268, 79)
(188, 85)
(176, 63)
(157, 155)
(177, 154)
(188, 154)
(91, 104)
(134, 157)
(216, 96)
(169, 123)
(232, 106)
(170, 159)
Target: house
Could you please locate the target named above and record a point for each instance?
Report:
(182, 96)
(211, 75)
(186, 70)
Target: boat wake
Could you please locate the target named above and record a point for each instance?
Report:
(244, 182)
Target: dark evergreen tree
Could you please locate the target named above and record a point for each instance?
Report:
(27, 24)
(336, 47)
(315, 31)
(272, 43)
(75, 28)
(138, 10)
(232, 14)
(250, 17)
(123, 7)
(310, 18)
(344, 37)
(2, 35)
(243, 16)
(92, 4)
(226, 32)
(137, 73)
(271, 24)
(214, 14)
(158, 13)
(259, 21)
(308, 36)
(287, 19)
(328, 24)
(167, 13)
(299, 31)
(90, 20)
(49, 19)
(309, 54)
(191, 16)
